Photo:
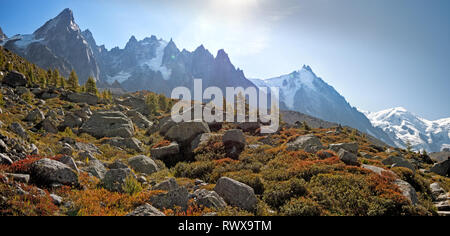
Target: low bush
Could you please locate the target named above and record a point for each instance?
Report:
(278, 193)
(301, 207)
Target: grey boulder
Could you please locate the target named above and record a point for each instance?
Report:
(88, 98)
(396, 161)
(185, 132)
(114, 179)
(209, 199)
(108, 124)
(126, 143)
(47, 172)
(143, 164)
(309, 143)
(348, 157)
(442, 168)
(236, 193)
(146, 210)
(350, 147)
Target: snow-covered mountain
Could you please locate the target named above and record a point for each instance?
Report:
(58, 44)
(151, 63)
(405, 127)
(305, 92)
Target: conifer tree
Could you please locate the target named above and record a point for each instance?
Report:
(62, 82)
(91, 86)
(162, 101)
(152, 103)
(73, 84)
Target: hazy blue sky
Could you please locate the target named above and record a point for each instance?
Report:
(377, 53)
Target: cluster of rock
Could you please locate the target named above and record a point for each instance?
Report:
(185, 137)
(441, 199)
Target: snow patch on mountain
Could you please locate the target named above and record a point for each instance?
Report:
(407, 128)
(290, 84)
(156, 63)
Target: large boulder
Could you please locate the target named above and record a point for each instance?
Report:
(50, 125)
(178, 197)
(146, 210)
(135, 103)
(350, 147)
(407, 190)
(72, 121)
(67, 160)
(396, 161)
(236, 193)
(15, 79)
(143, 164)
(309, 143)
(209, 199)
(35, 115)
(108, 124)
(126, 143)
(89, 147)
(348, 157)
(436, 190)
(96, 168)
(166, 185)
(114, 179)
(163, 152)
(442, 168)
(88, 98)
(234, 141)
(185, 132)
(139, 120)
(47, 172)
(18, 129)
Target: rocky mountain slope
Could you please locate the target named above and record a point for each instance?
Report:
(405, 127)
(304, 92)
(70, 153)
(151, 63)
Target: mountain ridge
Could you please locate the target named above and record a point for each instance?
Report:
(305, 92)
(404, 126)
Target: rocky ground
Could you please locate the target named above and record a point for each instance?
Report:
(65, 153)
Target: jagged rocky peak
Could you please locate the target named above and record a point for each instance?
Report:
(62, 23)
(2, 35)
(170, 53)
(222, 56)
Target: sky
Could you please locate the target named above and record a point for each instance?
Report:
(378, 54)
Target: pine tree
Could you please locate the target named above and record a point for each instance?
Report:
(73, 84)
(62, 82)
(152, 103)
(54, 78)
(163, 104)
(91, 86)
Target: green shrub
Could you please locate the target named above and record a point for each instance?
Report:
(301, 207)
(195, 170)
(131, 185)
(278, 193)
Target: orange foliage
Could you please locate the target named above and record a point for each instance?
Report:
(225, 161)
(23, 166)
(383, 185)
(162, 143)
